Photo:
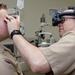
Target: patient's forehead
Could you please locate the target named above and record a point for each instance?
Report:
(3, 13)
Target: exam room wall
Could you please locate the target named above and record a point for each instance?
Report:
(33, 10)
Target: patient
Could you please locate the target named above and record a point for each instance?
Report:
(8, 62)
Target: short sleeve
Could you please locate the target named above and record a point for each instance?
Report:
(61, 55)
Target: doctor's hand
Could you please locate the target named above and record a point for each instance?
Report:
(13, 23)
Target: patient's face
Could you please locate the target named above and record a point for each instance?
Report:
(3, 27)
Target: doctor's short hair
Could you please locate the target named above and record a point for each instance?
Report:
(3, 6)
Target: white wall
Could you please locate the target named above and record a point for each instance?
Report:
(33, 10)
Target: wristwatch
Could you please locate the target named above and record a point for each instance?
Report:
(15, 32)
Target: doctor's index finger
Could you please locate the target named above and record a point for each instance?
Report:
(17, 17)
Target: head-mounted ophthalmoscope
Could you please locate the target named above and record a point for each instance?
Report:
(57, 16)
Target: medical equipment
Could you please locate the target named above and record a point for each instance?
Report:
(57, 16)
(43, 37)
(43, 41)
(20, 4)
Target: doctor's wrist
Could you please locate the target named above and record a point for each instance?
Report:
(15, 32)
